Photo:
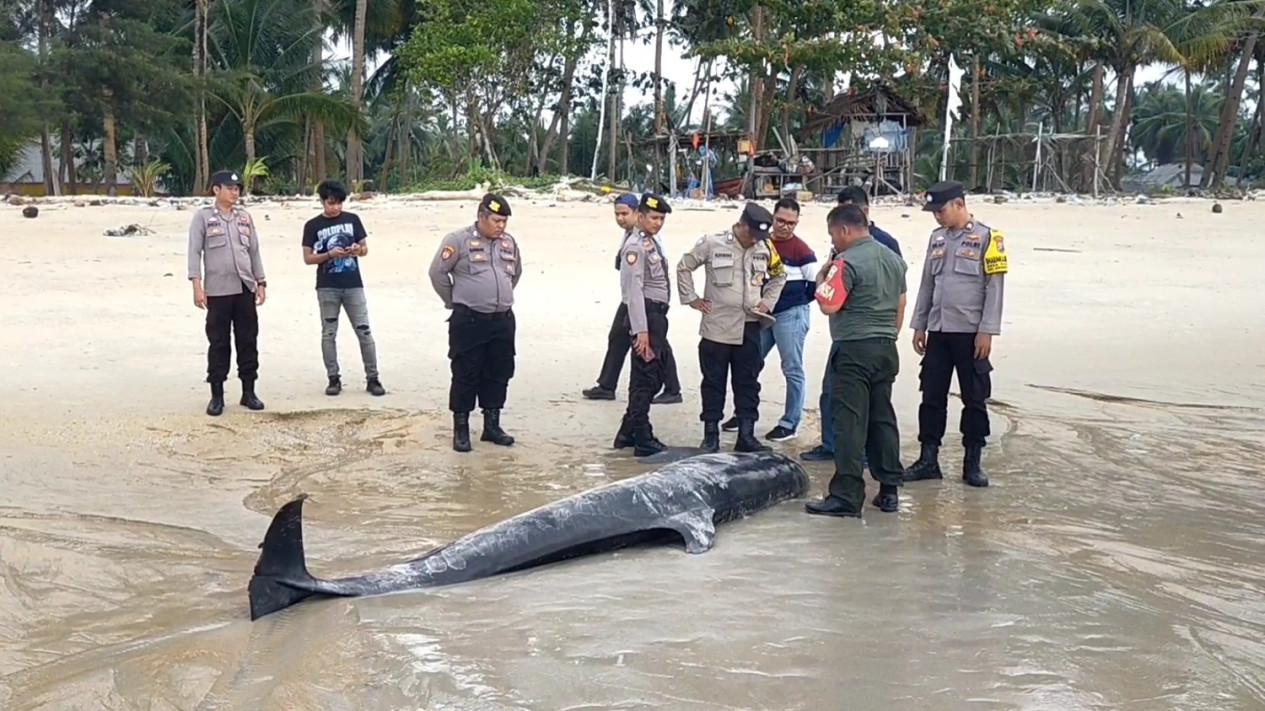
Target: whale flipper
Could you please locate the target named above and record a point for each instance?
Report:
(281, 577)
(696, 527)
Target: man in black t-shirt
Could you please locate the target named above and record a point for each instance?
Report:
(335, 241)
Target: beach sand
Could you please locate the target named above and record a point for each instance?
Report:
(124, 502)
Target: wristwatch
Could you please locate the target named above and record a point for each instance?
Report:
(264, 284)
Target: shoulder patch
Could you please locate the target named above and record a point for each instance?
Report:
(630, 256)
(995, 256)
(447, 252)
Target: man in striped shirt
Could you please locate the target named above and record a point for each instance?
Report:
(792, 313)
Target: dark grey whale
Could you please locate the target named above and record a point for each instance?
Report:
(684, 499)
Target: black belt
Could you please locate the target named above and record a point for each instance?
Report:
(466, 310)
(656, 306)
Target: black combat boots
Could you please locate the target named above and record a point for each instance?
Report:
(492, 431)
(927, 466)
(624, 437)
(746, 441)
(711, 437)
(461, 431)
(249, 399)
(215, 407)
(971, 473)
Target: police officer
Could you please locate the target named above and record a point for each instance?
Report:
(744, 280)
(618, 343)
(865, 300)
(228, 281)
(645, 289)
(475, 271)
(957, 313)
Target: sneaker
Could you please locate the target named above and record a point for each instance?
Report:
(374, 386)
(730, 425)
(597, 392)
(665, 398)
(780, 434)
(817, 454)
(335, 386)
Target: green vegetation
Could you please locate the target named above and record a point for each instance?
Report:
(448, 94)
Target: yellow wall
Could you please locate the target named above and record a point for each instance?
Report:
(37, 189)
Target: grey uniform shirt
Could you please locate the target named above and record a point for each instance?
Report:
(476, 272)
(738, 280)
(227, 249)
(643, 274)
(956, 295)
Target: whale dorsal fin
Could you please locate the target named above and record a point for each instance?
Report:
(696, 527)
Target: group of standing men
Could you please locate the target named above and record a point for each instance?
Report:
(760, 282)
(758, 292)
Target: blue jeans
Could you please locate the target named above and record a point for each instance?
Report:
(789, 334)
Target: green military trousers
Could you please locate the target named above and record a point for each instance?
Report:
(862, 374)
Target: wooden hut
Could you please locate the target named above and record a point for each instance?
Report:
(847, 128)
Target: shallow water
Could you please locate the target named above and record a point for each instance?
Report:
(1114, 563)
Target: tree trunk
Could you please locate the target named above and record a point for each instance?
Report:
(1124, 79)
(249, 130)
(68, 159)
(617, 93)
(1091, 126)
(975, 116)
(1117, 158)
(1254, 132)
(755, 84)
(317, 169)
(1219, 163)
(202, 159)
(355, 163)
(792, 88)
(1190, 129)
(559, 126)
(109, 145)
(658, 93)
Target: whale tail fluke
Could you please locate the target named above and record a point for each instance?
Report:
(281, 578)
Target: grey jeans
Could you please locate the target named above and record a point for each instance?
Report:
(332, 301)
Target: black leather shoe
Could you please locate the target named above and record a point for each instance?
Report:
(374, 387)
(215, 407)
(492, 431)
(887, 502)
(249, 399)
(647, 444)
(711, 437)
(746, 441)
(927, 466)
(461, 431)
(971, 472)
(830, 506)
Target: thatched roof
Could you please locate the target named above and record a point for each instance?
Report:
(876, 103)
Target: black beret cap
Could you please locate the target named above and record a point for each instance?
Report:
(496, 205)
(940, 194)
(655, 203)
(226, 177)
(757, 218)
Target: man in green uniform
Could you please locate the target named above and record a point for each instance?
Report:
(863, 292)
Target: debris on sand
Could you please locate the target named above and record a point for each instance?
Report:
(30, 211)
(129, 231)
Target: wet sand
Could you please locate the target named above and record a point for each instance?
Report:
(1115, 562)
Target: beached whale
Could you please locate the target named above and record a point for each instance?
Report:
(685, 500)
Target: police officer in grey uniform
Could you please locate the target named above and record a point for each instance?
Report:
(228, 281)
(744, 280)
(645, 289)
(956, 316)
(475, 271)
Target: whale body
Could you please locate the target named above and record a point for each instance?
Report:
(684, 500)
